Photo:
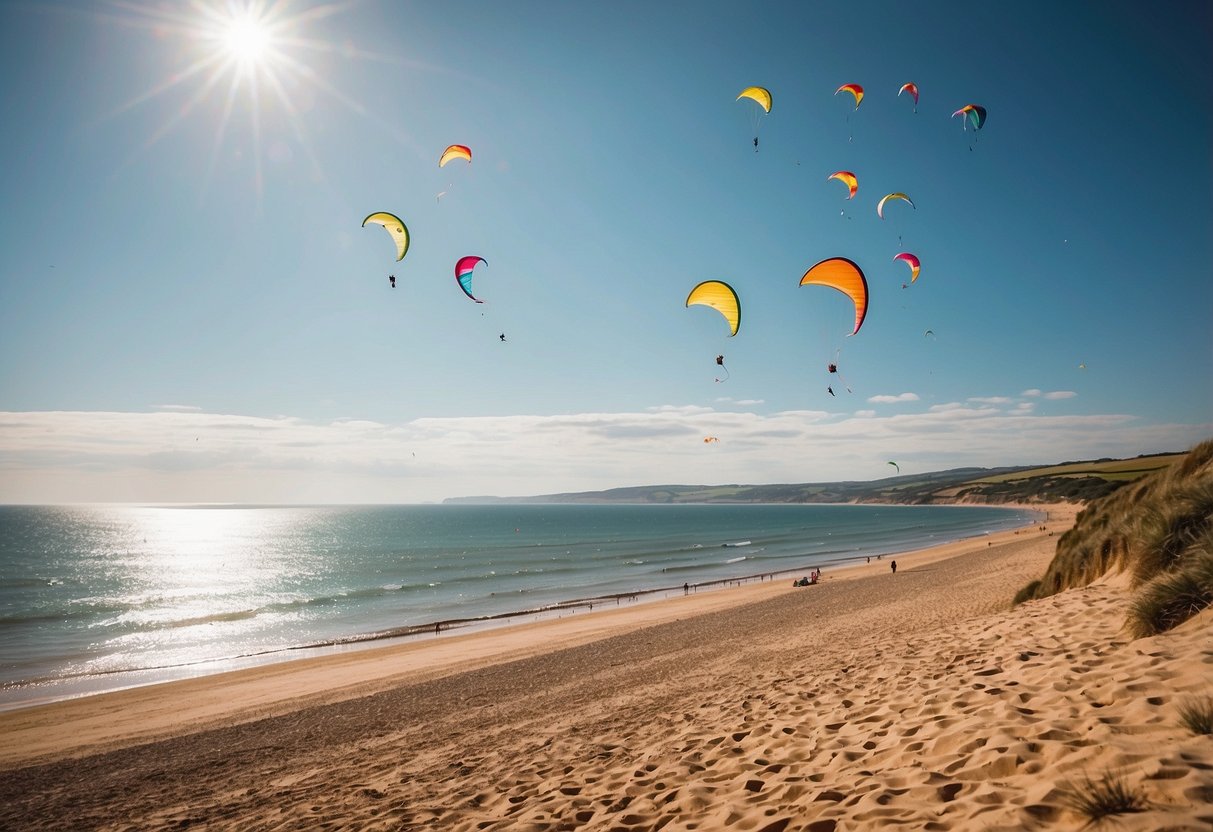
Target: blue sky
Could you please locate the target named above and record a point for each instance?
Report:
(190, 310)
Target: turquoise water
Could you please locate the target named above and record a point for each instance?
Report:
(94, 597)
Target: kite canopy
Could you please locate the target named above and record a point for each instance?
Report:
(912, 89)
(880, 205)
(842, 274)
(853, 89)
(847, 178)
(895, 465)
(913, 261)
(707, 440)
(395, 227)
(455, 151)
(463, 274)
(760, 94)
(721, 297)
(973, 114)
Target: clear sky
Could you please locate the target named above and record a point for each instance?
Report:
(190, 309)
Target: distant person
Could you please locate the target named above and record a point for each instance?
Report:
(893, 566)
(502, 336)
(392, 279)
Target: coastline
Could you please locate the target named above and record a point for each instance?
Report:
(917, 699)
(32, 694)
(340, 671)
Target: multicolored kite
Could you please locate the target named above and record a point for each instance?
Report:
(913, 261)
(912, 89)
(880, 205)
(973, 114)
(463, 274)
(847, 178)
(455, 151)
(853, 89)
(842, 274)
(395, 227)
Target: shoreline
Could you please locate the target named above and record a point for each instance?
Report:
(919, 699)
(334, 674)
(17, 696)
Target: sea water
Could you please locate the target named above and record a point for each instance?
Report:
(100, 597)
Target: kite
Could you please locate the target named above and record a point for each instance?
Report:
(912, 89)
(842, 274)
(895, 465)
(395, 227)
(707, 440)
(760, 94)
(762, 97)
(853, 89)
(913, 261)
(973, 114)
(463, 274)
(455, 151)
(847, 178)
(721, 297)
(391, 279)
(880, 205)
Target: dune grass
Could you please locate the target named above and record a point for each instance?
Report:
(1196, 714)
(1172, 598)
(1159, 530)
(1108, 796)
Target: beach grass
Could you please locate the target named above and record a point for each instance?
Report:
(1172, 598)
(1157, 530)
(1108, 796)
(1196, 714)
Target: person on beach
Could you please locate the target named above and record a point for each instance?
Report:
(893, 566)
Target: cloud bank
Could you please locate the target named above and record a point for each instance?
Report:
(188, 456)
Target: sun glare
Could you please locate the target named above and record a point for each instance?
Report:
(247, 41)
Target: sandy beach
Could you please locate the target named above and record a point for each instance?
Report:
(918, 700)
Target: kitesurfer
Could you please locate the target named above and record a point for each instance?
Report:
(502, 337)
(830, 390)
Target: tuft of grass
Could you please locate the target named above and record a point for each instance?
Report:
(1109, 795)
(1028, 593)
(1173, 597)
(1196, 714)
(1170, 528)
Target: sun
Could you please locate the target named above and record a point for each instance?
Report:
(247, 41)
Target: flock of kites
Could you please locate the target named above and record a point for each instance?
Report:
(399, 232)
(839, 273)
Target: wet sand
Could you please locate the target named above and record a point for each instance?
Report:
(917, 700)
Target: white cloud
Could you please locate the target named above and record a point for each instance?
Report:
(172, 456)
(178, 408)
(886, 399)
(1061, 394)
(1030, 393)
(990, 399)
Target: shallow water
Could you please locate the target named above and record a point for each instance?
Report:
(109, 595)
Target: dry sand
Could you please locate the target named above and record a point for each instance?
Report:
(916, 700)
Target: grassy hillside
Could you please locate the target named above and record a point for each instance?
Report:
(1067, 482)
(1159, 531)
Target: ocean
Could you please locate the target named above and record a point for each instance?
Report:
(101, 597)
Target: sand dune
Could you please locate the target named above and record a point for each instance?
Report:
(916, 701)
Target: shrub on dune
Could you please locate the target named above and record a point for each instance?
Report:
(1173, 597)
(1197, 715)
(1109, 795)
